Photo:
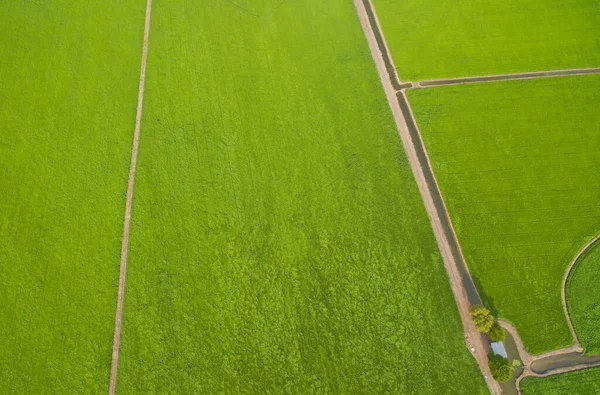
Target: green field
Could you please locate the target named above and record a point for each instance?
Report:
(517, 164)
(580, 382)
(68, 76)
(279, 243)
(442, 39)
(583, 299)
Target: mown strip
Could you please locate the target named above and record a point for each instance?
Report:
(278, 240)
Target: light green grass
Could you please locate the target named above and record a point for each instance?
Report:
(442, 38)
(583, 299)
(580, 382)
(517, 164)
(279, 243)
(68, 73)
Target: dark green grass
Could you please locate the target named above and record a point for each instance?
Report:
(279, 243)
(442, 38)
(583, 299)
(580, 382)
(517, 165)
(68, 88)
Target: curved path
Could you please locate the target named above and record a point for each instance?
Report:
(561, 360)
(564, 286)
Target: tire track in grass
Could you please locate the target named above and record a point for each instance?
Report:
(128, 204)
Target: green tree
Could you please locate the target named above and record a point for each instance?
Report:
(497, 333)
(482, 318)
(500, 367)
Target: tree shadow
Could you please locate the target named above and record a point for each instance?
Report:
(487, 300)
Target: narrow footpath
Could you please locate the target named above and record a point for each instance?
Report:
(125, 241)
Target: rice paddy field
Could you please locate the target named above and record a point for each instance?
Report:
(68, 77)
(279, 243)
(517, 162)
(583, 299)
(585, 381)
(443, 39)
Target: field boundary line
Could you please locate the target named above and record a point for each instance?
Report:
(582, 251)
(128, 204)
(383, 48)
(505, 77)
(454, 276)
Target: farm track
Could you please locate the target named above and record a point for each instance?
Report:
(462, 287)
(504, 77)
(128, 204)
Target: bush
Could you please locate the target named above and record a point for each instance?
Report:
(497, 333)
(500, 367)
(482, 318)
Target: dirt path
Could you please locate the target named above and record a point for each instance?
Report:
(505, 77)
(472, 336)
(127, 220)
(377, 34)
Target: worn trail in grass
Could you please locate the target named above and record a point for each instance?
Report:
(69, 74)
(278, 240)
(517, 164)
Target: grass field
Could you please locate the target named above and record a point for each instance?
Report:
(583, 299)
(517, 164)
(279, 243)
(68, 76)
(581, 382)
(441, 39)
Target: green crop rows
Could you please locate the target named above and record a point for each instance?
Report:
(68, 76)
(278, 242)
(584, 382)
(443, 39)
(583, 299)
(517, 163)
